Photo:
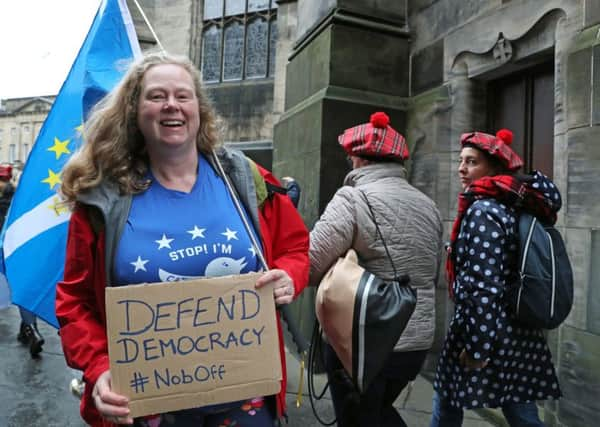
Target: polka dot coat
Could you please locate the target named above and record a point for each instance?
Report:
(519, 365)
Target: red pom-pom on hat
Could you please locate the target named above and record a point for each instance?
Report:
(375, 139)
(380, 119)
(505, 135)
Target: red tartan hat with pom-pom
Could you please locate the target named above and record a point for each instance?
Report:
(497, 146)
(376, 139)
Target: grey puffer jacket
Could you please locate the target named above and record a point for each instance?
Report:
(412, 229)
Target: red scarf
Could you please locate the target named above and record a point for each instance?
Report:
(505, 189)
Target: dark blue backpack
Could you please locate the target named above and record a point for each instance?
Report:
(544, 295)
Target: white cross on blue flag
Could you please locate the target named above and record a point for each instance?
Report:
(35, 230)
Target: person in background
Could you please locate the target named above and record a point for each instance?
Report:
(412, 227)
(17, 171)
(293, 189)
(28, 335)
(489, 360)
(148, 169)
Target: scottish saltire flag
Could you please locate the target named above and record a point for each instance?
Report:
(36, 226)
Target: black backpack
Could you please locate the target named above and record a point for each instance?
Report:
(544, 295)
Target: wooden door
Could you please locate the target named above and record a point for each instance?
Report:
(524, 103)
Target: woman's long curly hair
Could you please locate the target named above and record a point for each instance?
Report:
(114, 147)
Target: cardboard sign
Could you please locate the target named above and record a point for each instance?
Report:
(193, 343)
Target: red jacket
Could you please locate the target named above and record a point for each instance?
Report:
(80, 305)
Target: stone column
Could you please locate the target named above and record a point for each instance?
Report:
(350, 60)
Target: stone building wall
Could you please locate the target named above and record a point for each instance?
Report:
(173, 22)
(20, 122)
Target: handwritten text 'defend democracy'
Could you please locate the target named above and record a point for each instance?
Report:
(142, 318)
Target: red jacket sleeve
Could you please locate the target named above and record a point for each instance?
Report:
(285, 236)
(80, 300)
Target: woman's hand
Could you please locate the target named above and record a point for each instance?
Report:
(283, 285)
(112, 406)
(469, 363)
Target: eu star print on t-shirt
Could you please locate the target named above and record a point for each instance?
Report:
(172, 235)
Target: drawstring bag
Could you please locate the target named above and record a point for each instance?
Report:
(363, 315)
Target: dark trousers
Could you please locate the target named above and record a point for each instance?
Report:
(374, 407)
(27, 316)
(517, 414)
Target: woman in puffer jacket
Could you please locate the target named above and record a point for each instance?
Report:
(411, 225)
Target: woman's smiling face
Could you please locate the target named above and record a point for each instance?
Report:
(168, 112)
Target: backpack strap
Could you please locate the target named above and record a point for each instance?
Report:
(264, 189)
(272, 189)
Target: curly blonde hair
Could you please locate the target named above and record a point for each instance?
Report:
(114, 147)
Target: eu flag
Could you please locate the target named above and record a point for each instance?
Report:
(35, 231)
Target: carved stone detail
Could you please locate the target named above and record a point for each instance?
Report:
(503, 50)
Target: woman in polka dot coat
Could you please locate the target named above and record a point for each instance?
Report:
(489, 359)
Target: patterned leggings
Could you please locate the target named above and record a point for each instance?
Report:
(248, 413)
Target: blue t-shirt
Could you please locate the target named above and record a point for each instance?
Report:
(172, 235)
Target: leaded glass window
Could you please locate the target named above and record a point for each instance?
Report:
(211, 54)
(238, 40)
(256, 5)
(234, 7)
(213, 9)
(256, 50)
(272, 42)
(233, 51)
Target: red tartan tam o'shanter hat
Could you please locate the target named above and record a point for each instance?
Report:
(496, 146)
(376, 139)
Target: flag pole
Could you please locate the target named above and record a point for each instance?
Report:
(149, 26)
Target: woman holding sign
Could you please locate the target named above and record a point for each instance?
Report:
(151, 204)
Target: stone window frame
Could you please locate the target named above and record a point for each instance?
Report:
(245, 19)
(25, 150)
(12, 153)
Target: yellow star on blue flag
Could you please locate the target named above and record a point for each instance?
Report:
(52, 179)
(60, 147)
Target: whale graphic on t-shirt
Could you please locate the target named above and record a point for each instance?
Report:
(225, 266)
(166, 276)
